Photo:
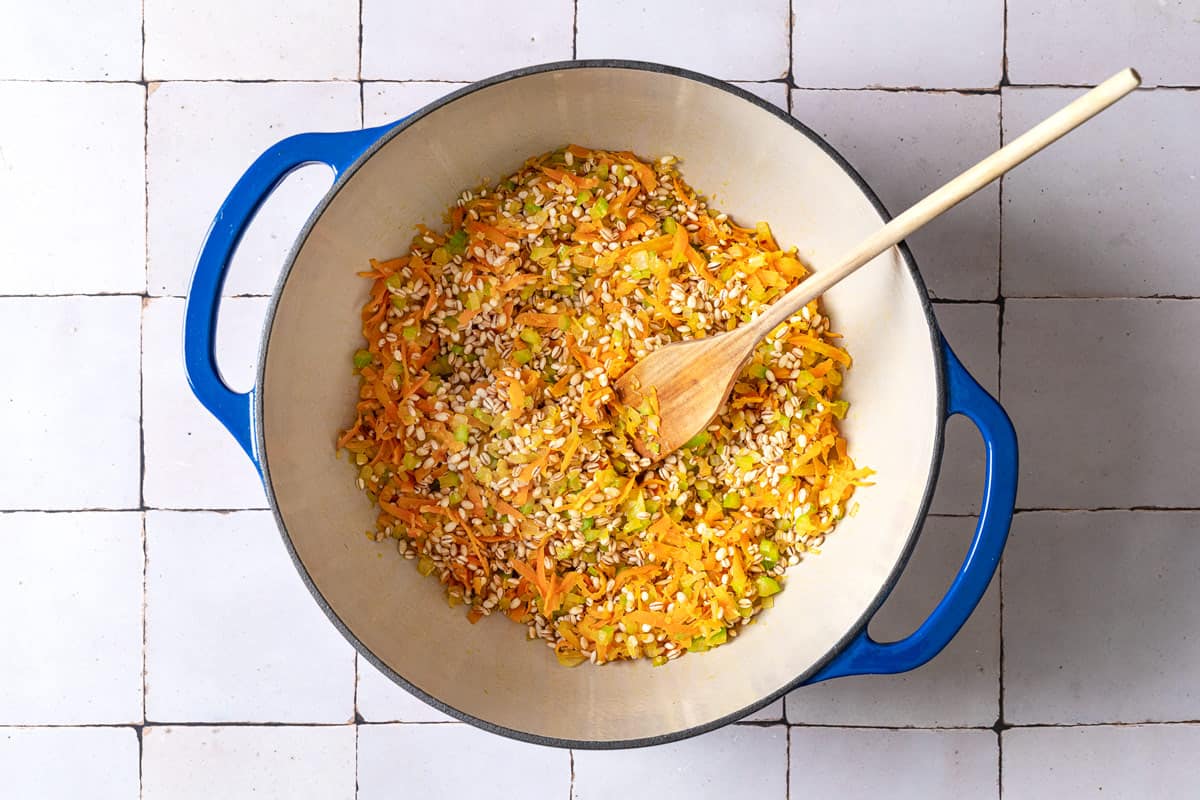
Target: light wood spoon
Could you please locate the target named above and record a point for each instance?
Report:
(692, 379)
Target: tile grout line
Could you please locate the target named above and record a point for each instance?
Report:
(574, 29)
(1180, 87)
(789, 76)
(787, 755)
(362, 91)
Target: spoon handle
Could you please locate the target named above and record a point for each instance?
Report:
(952, 193)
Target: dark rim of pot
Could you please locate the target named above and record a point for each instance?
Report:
(885, 588)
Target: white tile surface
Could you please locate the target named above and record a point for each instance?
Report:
(387, 102)
(463, 40)
(735, 761)
(905, 144)
(1085, 41)
(1100, 610)
(959, 688)
(865, 763)
(455, 761)
(746, 41)
(202, 137)
(69, 763)
(1102, 401)
(71, 590)
(381, 700)
(72, 211)
(232, 634)
(973, 331)
(248, 763)
(72, 40)
(775, 92)
(935, 44)
(276, 39)
(191, 460)
(1109, 212)
(1108, 763)
(768, 713)
(70, 402)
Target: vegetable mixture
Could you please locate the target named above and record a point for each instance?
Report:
(488, 432)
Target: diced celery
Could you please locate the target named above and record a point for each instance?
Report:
(362, 358)
(410, 461)
(462, 432)
(599, 209)
(527, 508)
(757, 371)
(441, 256)
(411, 332)
(531, 208)
(770, 553)
(394, 282)
(456, 245)
(605, 634)
(538, 253)
(531, 337)
(602, 172)
(669, 225)
(719, 637)
(731, 500)
(425, 565)
(839, 408)
(450, 479)
(522, 356)
(766, 586)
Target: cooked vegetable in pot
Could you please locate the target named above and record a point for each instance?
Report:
(486, 428)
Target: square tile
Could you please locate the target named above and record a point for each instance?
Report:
(72, 40)
(378, 699)
(1110, 210)
(734, 761)
(1096, 389)
(69, 763)
(936, 44)
(1114, 763)
(973, 330)
(71, 590)
(774, 92)
(70, 432)
(864, 764)
(1099, 610)
(959, 688)
(768, 713)
(428, 761)
(388, 102)
(265, 39)
(264, 763)
(73, 209)
(232, 634)
(191, 460)
(1084, 41)
(463, 41)
(905, 144)
(744, 42)
(202, 137)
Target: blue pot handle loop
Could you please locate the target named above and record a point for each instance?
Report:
(236, 410)
(864, 655)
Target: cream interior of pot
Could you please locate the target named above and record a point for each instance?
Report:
(755, 166)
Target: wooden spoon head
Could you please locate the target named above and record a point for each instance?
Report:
(690, 381)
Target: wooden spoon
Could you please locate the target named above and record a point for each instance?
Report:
(692, 379)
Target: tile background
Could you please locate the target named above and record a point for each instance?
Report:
(156, 641)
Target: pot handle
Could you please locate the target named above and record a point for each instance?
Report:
(864, 655)
(336, 150)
